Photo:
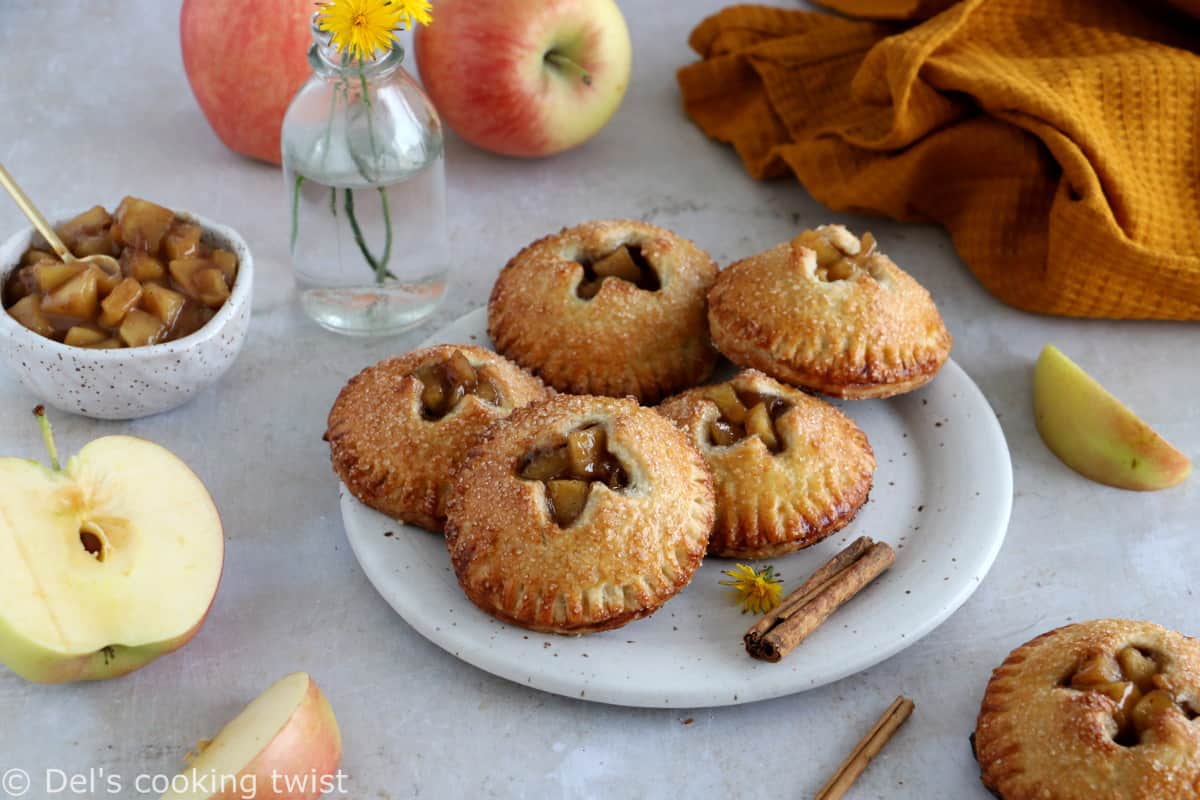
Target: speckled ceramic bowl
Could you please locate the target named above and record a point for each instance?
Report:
(137, 381)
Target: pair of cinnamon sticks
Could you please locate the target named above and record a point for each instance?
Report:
(803, 611)
(780, 631)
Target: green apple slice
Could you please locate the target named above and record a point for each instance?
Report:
(1095, 434)
(285, 745)
(105, 564)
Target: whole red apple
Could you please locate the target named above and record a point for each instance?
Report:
(525, 77)
(245, 60)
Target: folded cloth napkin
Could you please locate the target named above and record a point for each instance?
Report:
(1057, 140)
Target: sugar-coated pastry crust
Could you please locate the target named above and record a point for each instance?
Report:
(876, 333)
(629, 551)
(769, 504)
(395, 460)
(625, 341)
(1039, 739)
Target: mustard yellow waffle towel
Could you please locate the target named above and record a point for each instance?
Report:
(1057, 140)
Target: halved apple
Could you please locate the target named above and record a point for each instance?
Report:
(1095, 434)
(285, 745)
(105, 564)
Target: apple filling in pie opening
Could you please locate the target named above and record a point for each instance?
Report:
(836, 259)
(745, 414)
(626, 263)
(568, 470)
(445, 383)
(1134, 682)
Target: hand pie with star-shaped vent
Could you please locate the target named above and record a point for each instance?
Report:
(612, 308)
(789, 468)
(1100, 710)
(578, 514)
(830, 313)
(398, 429)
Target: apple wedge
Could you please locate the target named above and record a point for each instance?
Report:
(285, 745)
(1095, 434)
(106, 563)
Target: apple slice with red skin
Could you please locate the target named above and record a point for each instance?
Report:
(1095, 434)
(525, 77)
(285, 745)
(106, 563)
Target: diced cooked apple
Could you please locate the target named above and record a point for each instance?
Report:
(36, 256)
(191, 319)
(183, 270)
(20, 284)
(586, 449)
(1149, 706)
(723, 433)
(1138, 668)
(182, 240)
(459, 372)
(77, 298)
(488, 391)
(547, 464)
(1096, 670)
(618, 264)
(120, 301)
(52, 274)
(227, 262)
(726, 398)
(163, 303)
(141, 266)
(105, 280)
(140, 329)
(141, 224)
(567, 499)
(84, 336)
(28, 312)
(212, 291)
(110, 343)
(100, 244)
(88, 224)
(758, 423)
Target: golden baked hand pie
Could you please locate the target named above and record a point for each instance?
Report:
(578, 514)
(1101, 710)
(789, 469)
(828, 312)
(398, 429)
(610, 308)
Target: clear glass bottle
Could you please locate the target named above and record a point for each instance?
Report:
(364, 172)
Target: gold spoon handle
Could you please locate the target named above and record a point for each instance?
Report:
(30, 210)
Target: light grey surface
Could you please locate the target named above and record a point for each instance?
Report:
(95, 105)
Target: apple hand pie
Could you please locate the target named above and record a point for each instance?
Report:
(1101, 710)
(789, 469)
(611, 308)
(578, 514)
(831, 313)
(398, 429)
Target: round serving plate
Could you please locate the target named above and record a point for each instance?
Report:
(942, 497)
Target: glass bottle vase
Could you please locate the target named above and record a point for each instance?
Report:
(363, 167)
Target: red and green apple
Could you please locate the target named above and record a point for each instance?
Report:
(525, 77)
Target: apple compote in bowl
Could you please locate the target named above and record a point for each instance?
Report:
(144, 341)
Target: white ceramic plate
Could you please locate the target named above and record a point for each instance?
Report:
(942, 496)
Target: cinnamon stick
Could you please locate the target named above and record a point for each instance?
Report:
(826, 590)
(867, 748)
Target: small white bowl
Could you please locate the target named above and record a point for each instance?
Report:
(130, 382)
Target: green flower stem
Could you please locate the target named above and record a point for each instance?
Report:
(378, 267)
(387, 246)
(296, 210)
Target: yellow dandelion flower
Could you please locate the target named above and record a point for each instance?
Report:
(755, 590)
(361, 28)
(415, 12)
